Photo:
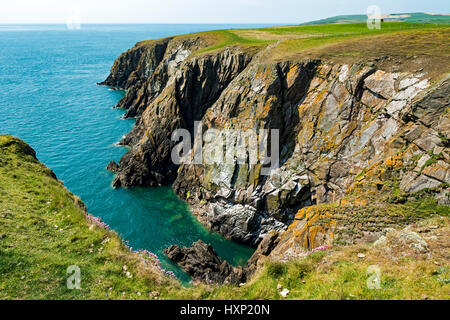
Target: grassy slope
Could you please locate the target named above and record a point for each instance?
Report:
(413, 45)
(44, 230)
(341, 274)
(310, 35)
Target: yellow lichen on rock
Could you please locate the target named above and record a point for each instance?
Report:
(313, 227)
(395, 161)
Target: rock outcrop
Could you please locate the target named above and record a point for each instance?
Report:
(112, 167)
(335, 122)
(202, 263)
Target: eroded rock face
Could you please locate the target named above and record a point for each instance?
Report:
(335, 121)
(170, 93)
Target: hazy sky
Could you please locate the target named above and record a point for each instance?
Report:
(200, 11)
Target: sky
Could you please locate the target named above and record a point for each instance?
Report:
(199, 11)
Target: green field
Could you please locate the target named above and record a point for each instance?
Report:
(407, 43)
(418, 17)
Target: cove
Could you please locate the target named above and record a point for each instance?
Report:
(49, 98)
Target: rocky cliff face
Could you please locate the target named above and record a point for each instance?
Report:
(166, 91)
(336, 122)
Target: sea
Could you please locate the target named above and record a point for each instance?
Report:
(49, 98)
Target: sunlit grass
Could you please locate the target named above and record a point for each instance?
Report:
(44, 231)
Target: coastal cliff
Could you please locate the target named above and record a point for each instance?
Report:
(360, 200)
(338, 123)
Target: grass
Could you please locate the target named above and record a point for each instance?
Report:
(227, 38)
(413, 46)
(418, 17)
(44, 230)
(293, 39)
(304, 36)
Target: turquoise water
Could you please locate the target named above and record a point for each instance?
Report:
(49, 98)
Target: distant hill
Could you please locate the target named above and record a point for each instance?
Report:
(418, 17)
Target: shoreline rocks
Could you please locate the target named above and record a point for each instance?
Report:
(202, 263)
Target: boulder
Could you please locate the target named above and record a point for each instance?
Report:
(202, 263)
(113, 167)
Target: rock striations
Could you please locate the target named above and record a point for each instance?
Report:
(335, 121)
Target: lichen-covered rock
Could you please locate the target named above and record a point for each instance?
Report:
(172, 95)
(339, 126)
(402, 239)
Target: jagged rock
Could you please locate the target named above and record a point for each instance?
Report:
(113, 167)
(265, 248)
(405, 83)
(402, 239)
(202, 263)
(443, 197)
(381, 242)
(173, 100)
(381, 84)
(413, 182)
(412, 239)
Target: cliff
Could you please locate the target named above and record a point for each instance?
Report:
(44, 229)
(381, 122)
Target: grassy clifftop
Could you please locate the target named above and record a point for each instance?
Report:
(425, 44)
